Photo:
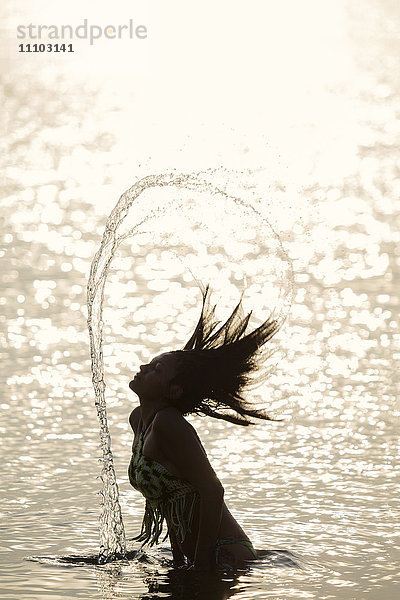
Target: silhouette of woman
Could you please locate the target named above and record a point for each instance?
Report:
(169, 465)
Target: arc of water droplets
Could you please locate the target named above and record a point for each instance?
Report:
(112, 532)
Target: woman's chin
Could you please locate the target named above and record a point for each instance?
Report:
(132, 385)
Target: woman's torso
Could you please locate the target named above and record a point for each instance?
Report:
(151, 449)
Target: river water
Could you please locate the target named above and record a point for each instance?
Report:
(315, 147)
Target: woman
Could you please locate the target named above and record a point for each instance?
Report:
(169, 464)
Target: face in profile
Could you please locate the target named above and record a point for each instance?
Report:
(154, 380)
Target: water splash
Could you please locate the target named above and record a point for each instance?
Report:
(215, 218)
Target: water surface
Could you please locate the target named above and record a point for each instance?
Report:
(323, 485)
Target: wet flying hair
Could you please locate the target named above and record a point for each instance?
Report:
(219, 362)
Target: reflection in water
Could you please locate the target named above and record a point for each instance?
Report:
(162, 581)
(189, 585)
(160, 578)
(174, 584)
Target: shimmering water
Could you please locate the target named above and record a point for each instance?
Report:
(323, 485)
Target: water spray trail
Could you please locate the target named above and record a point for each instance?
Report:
(112, 533)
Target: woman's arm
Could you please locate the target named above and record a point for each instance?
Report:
(181, 445)
(211, 504)
(177, 554)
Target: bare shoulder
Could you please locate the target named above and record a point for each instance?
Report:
(134, 418)
(170, 420)
(182, 447)
(171, 425)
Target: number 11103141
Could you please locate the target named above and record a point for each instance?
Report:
(45, 48)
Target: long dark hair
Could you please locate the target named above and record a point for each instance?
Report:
(219, 362)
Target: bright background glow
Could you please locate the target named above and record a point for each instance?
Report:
(296, 105)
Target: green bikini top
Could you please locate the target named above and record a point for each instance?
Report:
(167, 497)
